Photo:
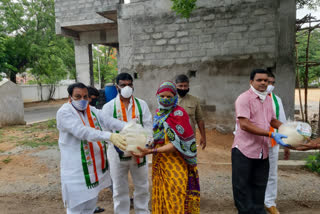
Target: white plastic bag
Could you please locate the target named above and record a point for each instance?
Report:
(297, 132)
(136, 136)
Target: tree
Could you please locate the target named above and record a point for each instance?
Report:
(311, 4)
(107, 63)
(314, 54)
(183, 7)
(31, 42)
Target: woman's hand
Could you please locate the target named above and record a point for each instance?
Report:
(143, 152)
(308, 146)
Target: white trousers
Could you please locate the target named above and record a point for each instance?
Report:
(119, 174)
(272, 186)
(87, 207)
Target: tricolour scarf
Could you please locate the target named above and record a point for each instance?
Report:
(88, 158)
(120, 113)
(275, 106)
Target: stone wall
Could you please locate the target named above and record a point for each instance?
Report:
(217, 47)
(11, 104)
(81, 12)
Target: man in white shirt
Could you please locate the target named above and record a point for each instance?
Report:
(126, 107)
(84, 164)
(272, 185)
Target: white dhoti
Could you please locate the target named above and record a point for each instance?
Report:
(272, 186)
(87, 207)
(119, 174)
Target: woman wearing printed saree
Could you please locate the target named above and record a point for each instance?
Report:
(175, 180)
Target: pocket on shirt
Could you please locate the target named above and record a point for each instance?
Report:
(190, 110)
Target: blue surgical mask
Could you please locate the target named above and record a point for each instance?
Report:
(80, 105)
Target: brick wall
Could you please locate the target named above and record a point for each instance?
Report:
(221, 43)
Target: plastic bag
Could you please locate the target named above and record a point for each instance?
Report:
(297, 132)
(136, 136)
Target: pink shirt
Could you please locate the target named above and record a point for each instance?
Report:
(260, 114)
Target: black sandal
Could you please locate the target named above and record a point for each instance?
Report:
(98, 210)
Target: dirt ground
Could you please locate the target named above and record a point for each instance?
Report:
(30, 182)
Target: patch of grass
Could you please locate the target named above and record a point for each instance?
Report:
(52, 124)
(313, 163)
(27, 135)
(7, 160)
(35, 142)
(12, 138)
(1, 151)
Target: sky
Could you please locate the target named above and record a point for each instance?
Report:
(304, 11)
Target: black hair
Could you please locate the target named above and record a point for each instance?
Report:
(75, 85)
(93, 91)
(123, 76)
(270, 74)
(257, 71)
(182, 78)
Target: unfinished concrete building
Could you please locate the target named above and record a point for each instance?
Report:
(217, 47)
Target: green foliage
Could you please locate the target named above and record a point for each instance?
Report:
(313, 163)
(314, 54)
(29, 41)
(183, 7)
(107, 62)
(311, 4)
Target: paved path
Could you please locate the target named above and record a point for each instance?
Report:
(40, 113)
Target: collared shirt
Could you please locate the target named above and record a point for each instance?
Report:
(72, 130)
(260, 114)
(192, 106)
(108, 110)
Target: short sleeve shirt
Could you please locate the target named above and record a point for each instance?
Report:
(192, 106)
(260, 114)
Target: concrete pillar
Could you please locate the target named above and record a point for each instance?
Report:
(82, 62)
(285, 67)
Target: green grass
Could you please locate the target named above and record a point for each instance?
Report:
(26, 135)
(52, 124)
(7, 160)
(38, 142)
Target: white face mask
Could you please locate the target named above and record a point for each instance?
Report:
(80, 105)
(126, 92)
(262, 95)
(270, 89)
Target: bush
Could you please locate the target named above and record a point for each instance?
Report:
(313, 163)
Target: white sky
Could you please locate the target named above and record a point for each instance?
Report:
(304, 11)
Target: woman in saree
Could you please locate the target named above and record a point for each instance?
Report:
(175, 180)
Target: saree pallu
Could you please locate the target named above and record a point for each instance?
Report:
(175, 184)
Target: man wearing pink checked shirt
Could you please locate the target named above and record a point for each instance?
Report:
(250, 164)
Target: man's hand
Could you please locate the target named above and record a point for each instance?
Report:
(119, 141)
(143, 152)
(203, 142)
(278, 138)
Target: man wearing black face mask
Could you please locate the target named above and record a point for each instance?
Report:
(192, 106)
(93, 96)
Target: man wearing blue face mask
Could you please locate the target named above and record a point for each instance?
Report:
(84, 165)
(126, 107)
